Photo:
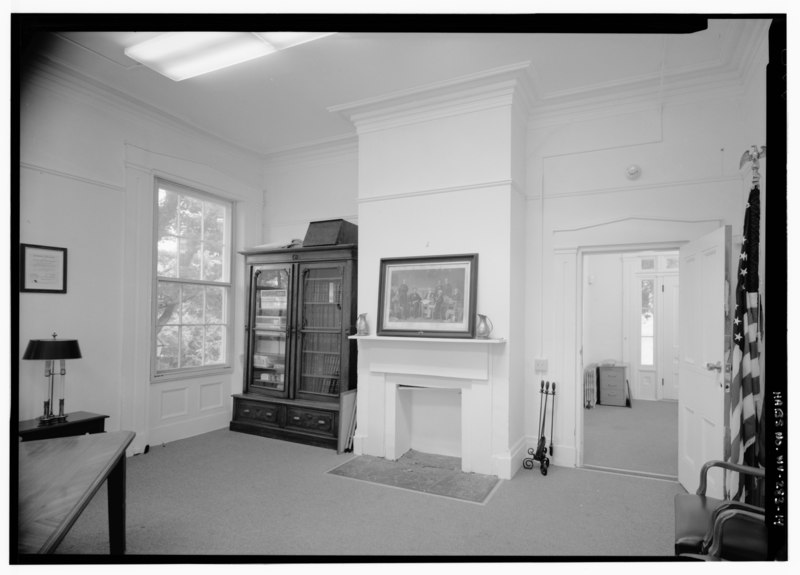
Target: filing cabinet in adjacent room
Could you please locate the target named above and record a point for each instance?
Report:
(611, 380)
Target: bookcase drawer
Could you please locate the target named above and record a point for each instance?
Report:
(311, 420)
(269, 413)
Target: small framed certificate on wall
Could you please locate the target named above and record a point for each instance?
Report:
(43, 269)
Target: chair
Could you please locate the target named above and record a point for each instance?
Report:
(714, 529)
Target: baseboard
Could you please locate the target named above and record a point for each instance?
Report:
(184, 429)
(562, 456)
(508, 463)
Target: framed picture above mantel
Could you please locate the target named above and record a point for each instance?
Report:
(428, 296)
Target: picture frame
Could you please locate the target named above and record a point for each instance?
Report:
(428, 296)
(43, 269)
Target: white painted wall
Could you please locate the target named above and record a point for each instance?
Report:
(436, 187)
(87, 165)
(76, 175)
(602, 308)
(316, 183)
(576, 199)
(688, 152)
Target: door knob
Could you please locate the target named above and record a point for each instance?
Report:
(714, 366)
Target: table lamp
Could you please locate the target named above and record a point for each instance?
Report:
(50, 350)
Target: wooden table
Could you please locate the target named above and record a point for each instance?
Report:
(57, 479)
(77, 423)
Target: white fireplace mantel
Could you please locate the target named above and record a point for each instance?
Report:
(396, 364)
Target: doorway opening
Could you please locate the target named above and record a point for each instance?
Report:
(630, 358)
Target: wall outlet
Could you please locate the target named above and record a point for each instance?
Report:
(540, 364)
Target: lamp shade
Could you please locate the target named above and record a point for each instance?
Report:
(52, 349)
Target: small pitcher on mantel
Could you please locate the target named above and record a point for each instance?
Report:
(484, 327)
(361, 325)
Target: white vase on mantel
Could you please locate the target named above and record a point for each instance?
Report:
(362, 328)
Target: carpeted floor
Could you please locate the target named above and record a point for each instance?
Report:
(423, 472)
(231, 494)
(641, 438)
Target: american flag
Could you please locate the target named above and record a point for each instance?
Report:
(746, 390)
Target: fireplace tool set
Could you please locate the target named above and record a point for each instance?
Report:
(540, 453)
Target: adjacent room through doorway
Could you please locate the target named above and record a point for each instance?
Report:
(630, 362)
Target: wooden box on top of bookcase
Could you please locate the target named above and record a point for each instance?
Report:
(300, 365)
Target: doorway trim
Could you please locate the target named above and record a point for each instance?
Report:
(614, 235)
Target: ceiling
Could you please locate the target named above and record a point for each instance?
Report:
(283, 101)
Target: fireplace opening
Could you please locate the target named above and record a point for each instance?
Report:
(430, 420)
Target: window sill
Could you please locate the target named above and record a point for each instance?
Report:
(193, 374)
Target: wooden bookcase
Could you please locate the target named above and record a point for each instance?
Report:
(300, 365)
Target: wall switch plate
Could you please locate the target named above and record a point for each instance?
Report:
(540, 364)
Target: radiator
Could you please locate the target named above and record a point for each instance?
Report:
(590, 386)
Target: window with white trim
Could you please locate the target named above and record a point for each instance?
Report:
(647, 334)
(192, 303)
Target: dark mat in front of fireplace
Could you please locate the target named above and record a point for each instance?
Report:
(422, 472)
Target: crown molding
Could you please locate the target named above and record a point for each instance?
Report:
(320, 152)
(64, 80)
(754, 51)
(730, 73)
(643, 93)
(741, 58)
(498, 87)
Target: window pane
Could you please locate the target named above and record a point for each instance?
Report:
(648, 264)
(213, 267)
(191, 218)
(215, 305)
(214, 222)
(192, 341)
(167, 257)
(168, 301)
(215, 345)
(647, 322)
(189, 259)
(647, 351)
(192, 305)
(167, 213)
(167, 348)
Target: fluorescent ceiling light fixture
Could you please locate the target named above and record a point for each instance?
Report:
(182, 55)
(283, 40)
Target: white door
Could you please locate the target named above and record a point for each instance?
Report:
(669, 339)
(701, 397)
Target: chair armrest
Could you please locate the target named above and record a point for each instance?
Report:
(724, 507)
(754, 519)
(745, 469)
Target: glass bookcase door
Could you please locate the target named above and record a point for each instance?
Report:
(321, 328)
(269, 335)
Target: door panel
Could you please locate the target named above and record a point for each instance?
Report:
(701, 397)
(322, 331)
(669, 339)
(270, 346)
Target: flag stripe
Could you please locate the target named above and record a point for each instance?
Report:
(746, 393)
